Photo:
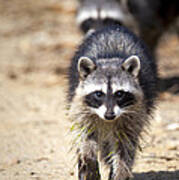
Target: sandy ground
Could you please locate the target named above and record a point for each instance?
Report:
(37, 40)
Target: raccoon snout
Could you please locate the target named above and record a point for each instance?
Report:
(110, 115)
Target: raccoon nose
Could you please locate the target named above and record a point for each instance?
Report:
(109, 115)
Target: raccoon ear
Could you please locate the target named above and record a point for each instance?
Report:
(85, 66)
(132, 65)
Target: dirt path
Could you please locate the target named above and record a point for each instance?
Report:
(37, 41)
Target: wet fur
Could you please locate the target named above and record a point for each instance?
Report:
(118, 140)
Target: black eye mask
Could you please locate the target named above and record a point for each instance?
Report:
(124, 99)
(95, 99)
(121, 98)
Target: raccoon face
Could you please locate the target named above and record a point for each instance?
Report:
(109, 89)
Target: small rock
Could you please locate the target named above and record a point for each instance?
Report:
(32, 173)
(174, 126)
(71, 173)
(172, 145)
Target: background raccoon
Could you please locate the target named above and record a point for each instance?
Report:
(147, 18)
(112, 91)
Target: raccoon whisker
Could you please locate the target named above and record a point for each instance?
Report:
(110, 106)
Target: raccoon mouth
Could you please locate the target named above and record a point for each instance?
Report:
(109, 121)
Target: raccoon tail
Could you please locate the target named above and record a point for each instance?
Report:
(95, 14)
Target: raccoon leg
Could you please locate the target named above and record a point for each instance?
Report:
(119, 169)
(88, 168)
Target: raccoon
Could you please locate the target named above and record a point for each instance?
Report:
(94, 14)
(149, 19)
(111, 95)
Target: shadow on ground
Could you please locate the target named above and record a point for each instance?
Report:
(161, 175)
(170, 84)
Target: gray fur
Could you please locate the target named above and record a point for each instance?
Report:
(149, 19)
(113, 59)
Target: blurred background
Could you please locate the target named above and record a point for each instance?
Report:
(37, 40)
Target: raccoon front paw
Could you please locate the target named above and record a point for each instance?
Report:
(89, 176)
(128, 178)
(89, 170)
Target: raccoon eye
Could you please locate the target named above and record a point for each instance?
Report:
(124, 98)
(98, 94)
(94, 99)
(119, 94)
